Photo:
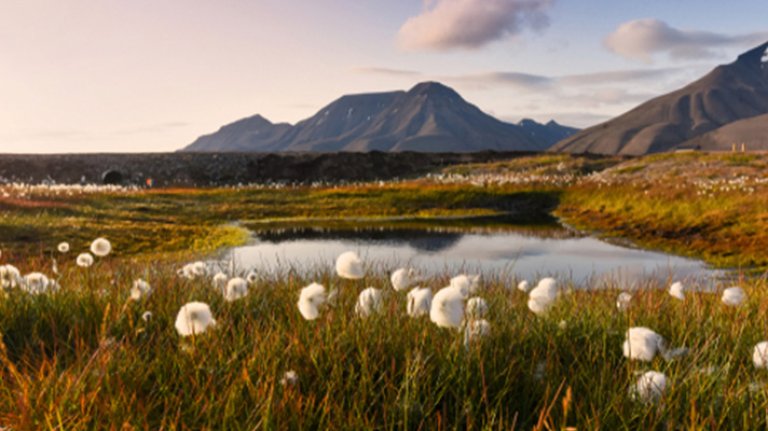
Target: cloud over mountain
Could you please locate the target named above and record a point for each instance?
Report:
(643, 38)
(450, 24)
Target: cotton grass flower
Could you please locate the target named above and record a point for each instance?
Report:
(220, 281)
(466, 284)
(476, 308)
(140, 289)
(676, 290)
(36, 283)
(311, 299)
(403, 278)
(368, 302)
(63, 247)
(642, 344)
(252, 277)
(146, 316)
(733, 296)
(84, 260)
(194, 318)
(349, 266)
(760, 355)
(10, 277)
(623, 301)
(419, 301)
(447, 309)
(650, 387)
(543, 296)
(524, 286)
(476, 330)
(290, 378)
(101, 247)
(235, 289)
(194, 270)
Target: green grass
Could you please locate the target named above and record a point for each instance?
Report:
(83, 358)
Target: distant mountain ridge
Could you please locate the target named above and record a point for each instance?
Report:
(729, 93)
(430, 117)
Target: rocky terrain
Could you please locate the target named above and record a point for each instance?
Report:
(729, 93)
(209, 169)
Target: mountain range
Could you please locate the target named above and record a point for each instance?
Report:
(430, 117)
(723, 108)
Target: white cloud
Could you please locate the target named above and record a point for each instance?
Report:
(469, 24)
(643, 38)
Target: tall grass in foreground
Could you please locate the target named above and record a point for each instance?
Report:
(84, 357)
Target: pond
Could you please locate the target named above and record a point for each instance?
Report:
(507, 252)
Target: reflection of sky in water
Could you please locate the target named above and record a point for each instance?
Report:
(504, 254)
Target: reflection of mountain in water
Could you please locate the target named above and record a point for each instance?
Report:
(419, 239)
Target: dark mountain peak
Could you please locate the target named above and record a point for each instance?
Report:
(252, 122)
(527, 122)
(728, 93)
(429, 117)
(432, 89)
(754, 57)
(552, 123)
(364, 97)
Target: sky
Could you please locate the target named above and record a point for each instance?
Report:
(148, 75)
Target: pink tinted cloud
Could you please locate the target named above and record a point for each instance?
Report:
(641, 39)
(469, 24)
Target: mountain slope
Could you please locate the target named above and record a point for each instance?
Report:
(430, 117)
(729, 93)
(751, 132)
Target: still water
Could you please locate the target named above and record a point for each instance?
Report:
(505, 253)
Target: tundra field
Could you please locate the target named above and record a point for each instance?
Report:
(144, 338)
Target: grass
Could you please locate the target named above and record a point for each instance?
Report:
(83, 358)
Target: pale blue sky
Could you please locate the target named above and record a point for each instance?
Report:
(147, 75)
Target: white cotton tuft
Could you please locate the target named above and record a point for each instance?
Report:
(290, 378)
(36, 283)
(650, 386)
(476, 330)
(84, 260)
(447, 309)
(760, 355)
(101, 247)
(466, 284)
(10, 277)
(368, 302)
(476, 308)
(734, 296)
(642, 344)
(252, 277)
(220, 281)
(349, 265)
(676, 290)
(63, 247)
(146, 316)
(311, 299)
(403, 278)
(235, 289)
(623, 301)
(419, 301)
(193, 270)
(194, 318)
(524, 286)
(140, 289)
(543, 296)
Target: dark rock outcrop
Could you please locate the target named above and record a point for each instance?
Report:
(217, 169)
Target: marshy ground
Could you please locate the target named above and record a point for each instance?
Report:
(84, 357)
